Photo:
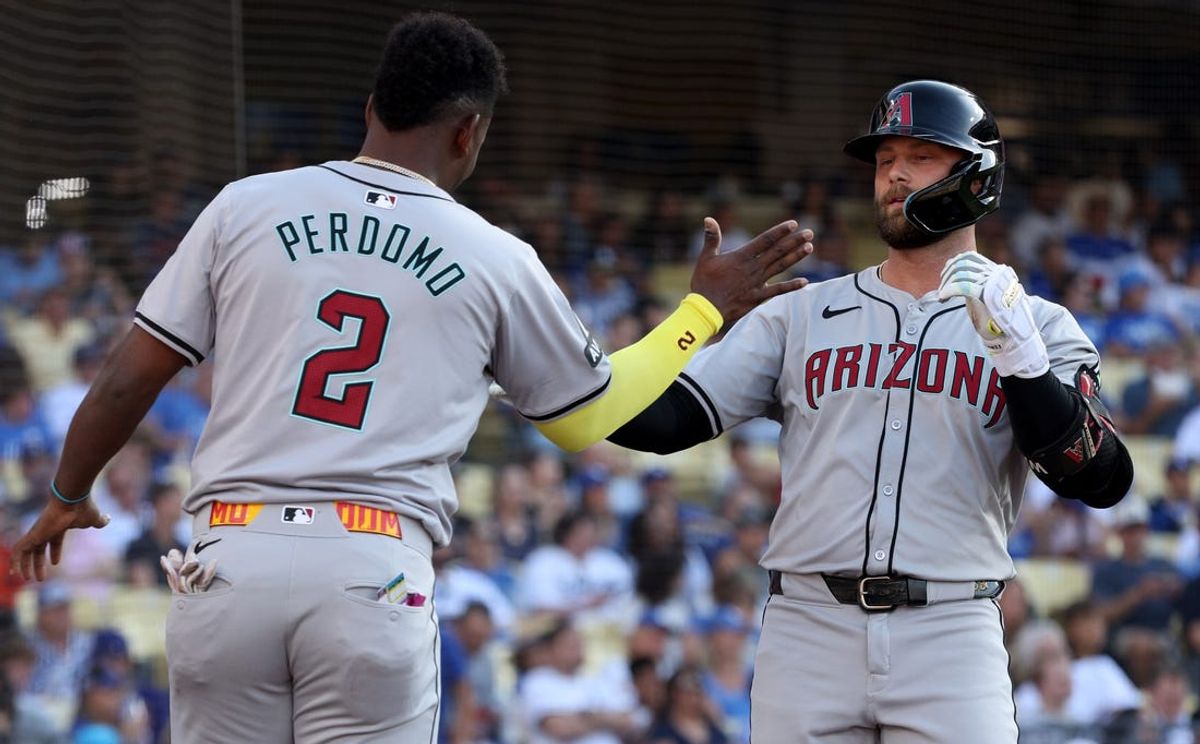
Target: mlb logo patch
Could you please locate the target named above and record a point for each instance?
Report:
(381, 200)
(298, 514)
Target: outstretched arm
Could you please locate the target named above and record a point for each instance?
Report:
(131, 379)
(674, 422)
(725, 286)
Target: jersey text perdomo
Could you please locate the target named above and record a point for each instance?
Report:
(310, 238)
(937, 372)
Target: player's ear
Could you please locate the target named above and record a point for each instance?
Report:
(468, 134)
(369, 112)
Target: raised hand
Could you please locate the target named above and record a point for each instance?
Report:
(736, 282)
(1000, 311)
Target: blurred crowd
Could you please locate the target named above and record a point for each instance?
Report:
(604, 597)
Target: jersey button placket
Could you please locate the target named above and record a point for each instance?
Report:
(912, 319)
(891, 462)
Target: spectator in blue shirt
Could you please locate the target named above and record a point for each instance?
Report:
(1158, 402)
(23, 431)
(1135, 590)
(177, 418)
(1173, 510)
(1049, 278)
(1094, 244)
(27, 272)
(1079, 296)
(1133, 329)
(457, 698)
(64, 654)
(727, 679)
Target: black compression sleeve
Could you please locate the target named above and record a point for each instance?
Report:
(672, 423)
(1040, 410)
(1044, 414)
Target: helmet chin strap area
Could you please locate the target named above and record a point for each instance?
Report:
(971, 191)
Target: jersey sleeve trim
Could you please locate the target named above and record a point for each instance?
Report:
(573, 404)
(189, 353)
(389, 189)
(693, 387)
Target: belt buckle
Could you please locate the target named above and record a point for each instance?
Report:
(862, 595)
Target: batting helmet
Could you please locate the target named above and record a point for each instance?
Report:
(952, 116)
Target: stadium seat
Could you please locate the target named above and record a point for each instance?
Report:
(139, 614)
(697, 471)
(1150, 455)
(1052, 584)
(473, 482)
(1162, 545)
(671, 281)
(1115, 376)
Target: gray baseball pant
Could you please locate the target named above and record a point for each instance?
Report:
(289, 643)
(828, 673)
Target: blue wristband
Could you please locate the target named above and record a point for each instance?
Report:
(58, 495)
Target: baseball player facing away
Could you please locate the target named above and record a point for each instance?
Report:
(357, 315)
(914, 398)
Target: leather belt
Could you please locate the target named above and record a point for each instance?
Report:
(884, 593)
(878, 593)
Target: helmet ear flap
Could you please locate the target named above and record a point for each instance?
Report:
(954, 201)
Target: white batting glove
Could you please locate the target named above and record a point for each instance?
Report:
(185, 573)
(1000, 311)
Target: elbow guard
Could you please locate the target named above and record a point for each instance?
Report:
(1088, 462)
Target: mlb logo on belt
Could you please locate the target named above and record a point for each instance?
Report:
(381, 200)
(298, 514)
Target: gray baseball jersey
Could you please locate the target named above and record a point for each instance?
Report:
(357, 317)
(897, 453)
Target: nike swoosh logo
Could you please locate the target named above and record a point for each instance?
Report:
(827, 313)
(202, 546)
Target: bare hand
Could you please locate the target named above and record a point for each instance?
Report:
(29, 554)
(736, 282)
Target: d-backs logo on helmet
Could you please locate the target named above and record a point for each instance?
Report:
(899, 113)
(934, 111)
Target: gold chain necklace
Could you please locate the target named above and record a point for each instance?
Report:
(364, 160)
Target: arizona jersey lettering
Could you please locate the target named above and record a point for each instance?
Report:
(900, 458)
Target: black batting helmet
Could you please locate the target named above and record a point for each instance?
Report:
(952, 116)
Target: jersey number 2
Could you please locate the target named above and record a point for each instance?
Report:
(349, 411)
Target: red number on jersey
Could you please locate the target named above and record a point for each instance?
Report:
(350, 410)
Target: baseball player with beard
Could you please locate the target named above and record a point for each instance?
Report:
(915, 397)
(357, 315)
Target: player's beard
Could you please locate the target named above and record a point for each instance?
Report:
(896, 230)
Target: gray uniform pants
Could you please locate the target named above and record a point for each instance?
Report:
(830, 673)
(289, 643)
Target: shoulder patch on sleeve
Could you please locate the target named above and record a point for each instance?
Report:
(592, 351)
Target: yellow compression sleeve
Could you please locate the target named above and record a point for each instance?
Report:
(640, 373)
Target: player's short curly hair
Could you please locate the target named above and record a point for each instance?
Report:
(436, 64)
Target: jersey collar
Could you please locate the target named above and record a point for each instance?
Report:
(388, 180)
(870, 281)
